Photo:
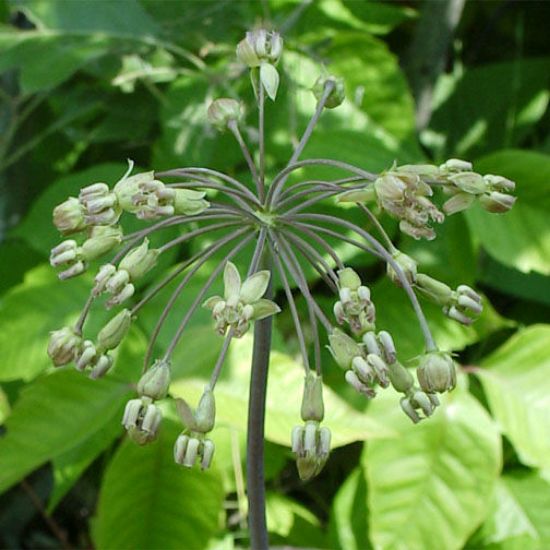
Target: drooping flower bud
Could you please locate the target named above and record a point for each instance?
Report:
(68, 216)
(64, 346)
(499, 183)
(417, 401)
(155, 382)
(102, 239)
(497, 203)
(139, 260)
(224, 110)
(69, 255)
(112, 334)
(455, 165)
(337, 94)
(400, 377)
(436, 372)
(311, 445)
(407, 265)
(435, 290)
(312, 399)
(343, 348)
(189, 202)
(141, 419)
(205, 414)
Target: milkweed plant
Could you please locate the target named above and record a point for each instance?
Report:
(277, 218)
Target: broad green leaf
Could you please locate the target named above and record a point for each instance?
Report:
(187, 139)
(20, 257)
(520, 517)
(52, 416)
(29, 312)
(348, 524)
(429, 487)
(44, 60)
(292, 524)
(515, 380)
(283, 399)
(148, 501)
(69, 466)
(520, 238)
(373, 17)
(114, 18)
(492, 107)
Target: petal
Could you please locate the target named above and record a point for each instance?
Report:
(264, 308)
(232, 283)
(254, 287)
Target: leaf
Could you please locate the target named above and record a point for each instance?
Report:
(148, 501)
(69, 466)
(45, 61)
(348, 524)
(428, 487)
(515, 380)
(521, 237)
(283, 399)
(86, 16)
(492, 107)
(52, 416)
(520, 516)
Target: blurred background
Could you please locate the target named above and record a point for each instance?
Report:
(85, 85)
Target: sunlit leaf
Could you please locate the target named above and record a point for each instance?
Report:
(148, 501)
(515, 379)
(429, 487)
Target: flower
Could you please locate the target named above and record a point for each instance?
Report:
(242, 302)
(141, 419)
(436, 372)
(64, 345)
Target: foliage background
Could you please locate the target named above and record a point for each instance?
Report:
(86, 85)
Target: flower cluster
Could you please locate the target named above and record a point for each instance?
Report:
(405, 192)
(278, 228)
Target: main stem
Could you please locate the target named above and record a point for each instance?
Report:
(255, 444)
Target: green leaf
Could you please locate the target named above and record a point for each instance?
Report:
(87, 16)
(520, 516)
(283, 399)
(148, 501)
(428, 487)
(52, 416)
(491, 107)
(515, 380)
(348, 524)
(521, 237)
(69, 466)
(46, 61)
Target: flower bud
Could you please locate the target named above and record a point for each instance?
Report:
(224, 110)
(343, 348)
(498, 183)
(496, 202)
(400, 377)
(139, 260)
(458, 203)
(312, 400)
(87, 355)
(469, 182)
(155, 382)
(64, 346)
(205, 415)
(68, 216)
(336, 95)
(456, 165)
(189, 202)
(436, 372)
(438, 292)
(348, 278)
(141, 419)
(101, 367)
(407, 265)
(102, 239)
(114, 331)
(260, 45)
